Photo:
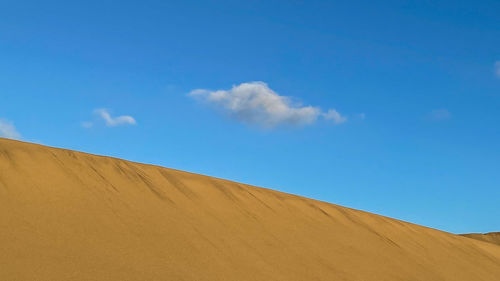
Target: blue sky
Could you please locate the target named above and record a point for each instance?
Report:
(389, 107)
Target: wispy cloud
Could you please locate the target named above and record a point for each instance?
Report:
(335, 116)
(109, 120)
(497, 69)
(115, 121)
(439, 115)
(8, 130)
(256, 103)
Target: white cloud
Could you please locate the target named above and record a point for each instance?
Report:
(7, 130)
(111, 121)
(497, 68)
(439, 114)
(256, 103)
(335, 116)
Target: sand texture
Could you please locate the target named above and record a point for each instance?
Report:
(492, 237)
(67, 215)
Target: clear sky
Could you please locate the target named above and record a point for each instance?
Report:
(389, 107)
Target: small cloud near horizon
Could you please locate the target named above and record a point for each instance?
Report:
(8, 130)
(256, 103)
(109, 120)
(439, 115)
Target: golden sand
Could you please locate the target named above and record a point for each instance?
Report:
(67, 215)
(492, 237)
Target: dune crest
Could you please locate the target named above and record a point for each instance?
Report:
(67, 215)
(492, 237)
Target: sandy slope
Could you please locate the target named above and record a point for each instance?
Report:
(492, 237)
(67, 215)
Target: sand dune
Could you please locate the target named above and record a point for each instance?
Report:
(67, 215)
(492, 237)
